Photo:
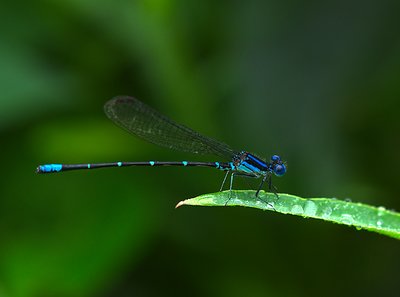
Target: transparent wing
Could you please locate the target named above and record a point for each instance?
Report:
(147, 123)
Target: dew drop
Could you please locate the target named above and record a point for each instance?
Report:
(347, 219)
(381, 211)
(326, 212)
(297, 209)
(379, 223)
(310, 208)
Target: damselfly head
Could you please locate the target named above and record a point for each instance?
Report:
(278, 167)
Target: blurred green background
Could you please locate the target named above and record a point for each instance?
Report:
(314, 81)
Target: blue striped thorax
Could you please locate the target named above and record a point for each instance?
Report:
(248, 163)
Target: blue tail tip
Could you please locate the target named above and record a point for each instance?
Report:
(49, 168)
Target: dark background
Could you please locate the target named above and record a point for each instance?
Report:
(314, 81)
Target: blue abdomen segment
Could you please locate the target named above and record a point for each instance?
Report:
(49, 168)
(224, 166)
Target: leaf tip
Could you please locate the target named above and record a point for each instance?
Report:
(180, 203)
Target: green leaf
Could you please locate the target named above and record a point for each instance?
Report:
(361, 216)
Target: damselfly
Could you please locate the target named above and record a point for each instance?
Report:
(145, 122)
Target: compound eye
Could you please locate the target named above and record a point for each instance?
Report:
(280, 169)
(275, 158)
